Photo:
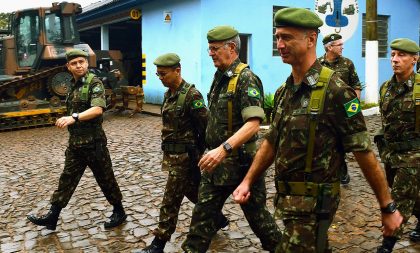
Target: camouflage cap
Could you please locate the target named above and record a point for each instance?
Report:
(405, 45)
(74, 53)
(331, 37)
(297, 17)
(167, 60)
(221, 33)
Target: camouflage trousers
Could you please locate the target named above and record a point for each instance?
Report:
(405, 191)
(77, 159)
(178, 185)
(301, 224)
(211, 199)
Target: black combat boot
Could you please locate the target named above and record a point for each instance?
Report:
(48, 220)
(344, 175)
(117, 218)
(415, 234)
(387, 244)
(223, 222)
(156, 246)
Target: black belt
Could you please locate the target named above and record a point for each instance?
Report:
(176, 148)
(306, 188)
(404, 146)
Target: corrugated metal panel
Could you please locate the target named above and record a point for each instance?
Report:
(98, 4)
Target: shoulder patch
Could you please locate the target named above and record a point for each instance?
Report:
(253, 92)
(198, 104)
(97, 89)
(352, 107)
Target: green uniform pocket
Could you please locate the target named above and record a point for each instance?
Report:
(296, 205)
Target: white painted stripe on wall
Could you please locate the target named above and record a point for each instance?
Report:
(371, 72)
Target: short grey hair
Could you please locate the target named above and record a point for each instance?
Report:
(327, 45)
(237, 41)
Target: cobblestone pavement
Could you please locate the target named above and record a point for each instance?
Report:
(32, 160)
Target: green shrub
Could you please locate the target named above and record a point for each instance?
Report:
(365, 105)
(268, 106)
(269, 101)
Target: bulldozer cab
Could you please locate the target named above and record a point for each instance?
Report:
(42, 34)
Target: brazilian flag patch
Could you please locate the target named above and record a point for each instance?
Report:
(198, 104)
(352, 107)
(97, 89)
(254, 93)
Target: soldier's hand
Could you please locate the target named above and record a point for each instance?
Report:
(241, 193)
(391, 222)
(213, 158)
(65, 121)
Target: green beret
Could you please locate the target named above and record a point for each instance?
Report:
(297, 17)
(405, 45)
(74, 53)
(221, 33)
(331, 37)
(167, 60)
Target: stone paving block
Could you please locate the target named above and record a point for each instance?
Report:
(30, 244)
(140, 232)
(11, 247)
(147, 222)
(81, 244)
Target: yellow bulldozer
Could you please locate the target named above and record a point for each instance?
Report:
(33, 78)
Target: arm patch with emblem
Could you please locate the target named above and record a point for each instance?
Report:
(253, 92)
(352, 107)
(198, 104)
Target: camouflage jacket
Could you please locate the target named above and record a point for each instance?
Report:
(345, 68)
(87, 132)
(341, 128)
(192, 123)
(398, 121)
(247, 103)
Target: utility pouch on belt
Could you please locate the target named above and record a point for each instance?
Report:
(325, 202)
(323, 211)
(245, 153)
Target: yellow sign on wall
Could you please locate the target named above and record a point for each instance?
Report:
(135, 14)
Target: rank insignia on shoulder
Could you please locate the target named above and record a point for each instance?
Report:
(352, 107)
(198, 104)
(253, 92)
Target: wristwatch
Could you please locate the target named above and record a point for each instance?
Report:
(227, 147)
(390, 208)
(75, 116)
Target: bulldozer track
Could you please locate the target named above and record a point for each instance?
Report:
(25, 80)
(30, 117)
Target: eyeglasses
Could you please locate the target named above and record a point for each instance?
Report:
(215, 49)
(161, 74)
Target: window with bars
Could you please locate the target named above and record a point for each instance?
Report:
(382, 35)
(275, 9)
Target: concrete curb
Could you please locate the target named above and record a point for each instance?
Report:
(371, 111)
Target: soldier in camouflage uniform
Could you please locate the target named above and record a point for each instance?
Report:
(87, 144)
(333, 59)
(399, 145)
(231, 142)
(307, 145)
(184, 118)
